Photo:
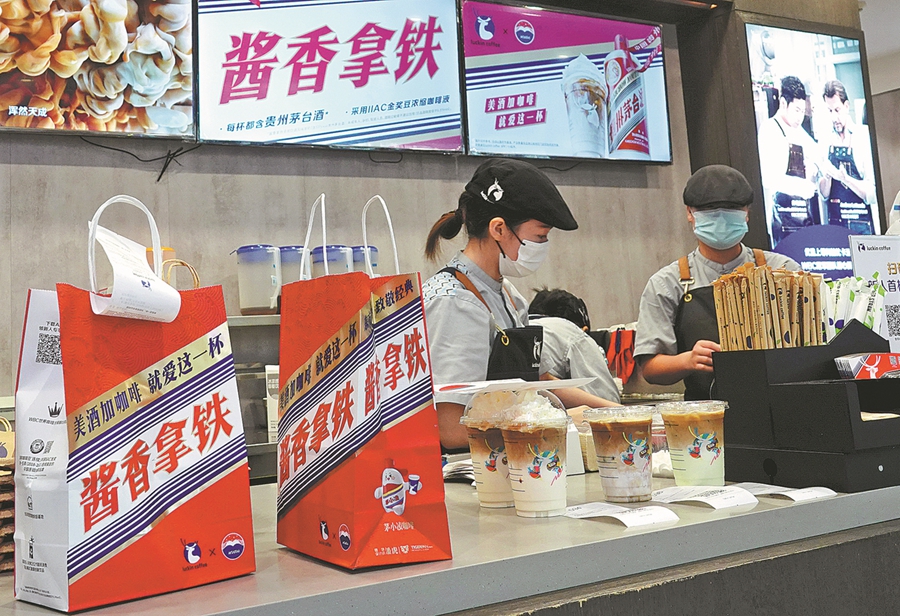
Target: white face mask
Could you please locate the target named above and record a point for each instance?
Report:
(531, 255)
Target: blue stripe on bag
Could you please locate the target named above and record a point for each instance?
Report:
(136, 521)
(101, 448)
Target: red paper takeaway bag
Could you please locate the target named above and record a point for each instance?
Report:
(132, 475)
(359, 465)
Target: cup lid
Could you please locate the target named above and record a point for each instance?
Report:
(333, 252)
(291, 254)
(697, 406)
(253, 248)
(616, 413)
(359, 253)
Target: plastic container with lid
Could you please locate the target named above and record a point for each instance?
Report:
(338, 256)
(259, 278)
(359, 258)
(291, 257)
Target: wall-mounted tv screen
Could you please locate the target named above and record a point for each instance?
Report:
(344, 73)
(117, 66)
(546, 83)
(815, 154)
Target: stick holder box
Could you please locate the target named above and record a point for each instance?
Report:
(791, 420)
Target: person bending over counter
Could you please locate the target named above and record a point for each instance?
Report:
(508, 209)
(677, 331)
(570, 351)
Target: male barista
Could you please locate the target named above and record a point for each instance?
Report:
(788, 161)
(677, 332)
(848, 182)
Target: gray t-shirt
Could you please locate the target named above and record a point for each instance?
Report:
(570, 353)
(460, 328)
(655, 332)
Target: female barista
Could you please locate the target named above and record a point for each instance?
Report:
(508, 209)
(677, 331)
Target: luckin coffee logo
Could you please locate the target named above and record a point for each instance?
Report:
(55, 410)
(863, 248)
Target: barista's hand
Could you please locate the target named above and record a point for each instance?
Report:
(700, 357)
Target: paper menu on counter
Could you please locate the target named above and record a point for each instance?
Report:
(797, 495)
(137, 292)
(639, 516)
(716, 497)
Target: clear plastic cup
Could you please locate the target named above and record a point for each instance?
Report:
(535, 442)
(483, 415)
(622, 442)
(696, 437)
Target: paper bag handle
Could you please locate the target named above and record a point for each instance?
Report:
(306, 256)
(92, 236)
(6, 425)
(170, 264)
(387, 215)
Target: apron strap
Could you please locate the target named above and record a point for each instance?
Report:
(464, 280)
(759, 256)
(684, 270)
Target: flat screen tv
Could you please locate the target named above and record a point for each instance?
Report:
(546, 83)
(339, 73)
(117, 66)
(816, 158)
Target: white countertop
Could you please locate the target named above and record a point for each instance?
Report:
(498, 556)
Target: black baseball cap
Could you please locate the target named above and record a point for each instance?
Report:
(717, 186)
(521, 189)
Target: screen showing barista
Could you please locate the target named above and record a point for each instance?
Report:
(508, 209)
(677, 331)
(848, 177)
(789, 162)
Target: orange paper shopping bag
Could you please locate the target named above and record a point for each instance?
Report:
(132, 475)
(359, 466)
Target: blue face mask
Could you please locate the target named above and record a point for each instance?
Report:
(720, 229)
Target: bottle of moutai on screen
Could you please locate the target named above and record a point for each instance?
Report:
(627, 114)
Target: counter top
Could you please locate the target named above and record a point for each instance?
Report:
(498, 556)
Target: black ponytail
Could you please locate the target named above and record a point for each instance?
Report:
(476, 214)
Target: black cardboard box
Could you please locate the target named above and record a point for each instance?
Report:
(792, 421)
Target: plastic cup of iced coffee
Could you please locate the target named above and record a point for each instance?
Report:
(622, 442)
(696, 437)
(482, 416)
(584, 90)
(535, 442)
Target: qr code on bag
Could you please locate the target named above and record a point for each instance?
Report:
(892, 313)
(48, 350)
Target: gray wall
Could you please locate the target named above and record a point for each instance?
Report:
(631, 217)
(886, 109)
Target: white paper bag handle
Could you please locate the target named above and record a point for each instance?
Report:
(92, 236)
(306, 255)
(387, 215)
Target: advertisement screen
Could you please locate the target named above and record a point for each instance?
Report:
(116, 66)
(349, 73)
(815, 153)
(545, 83)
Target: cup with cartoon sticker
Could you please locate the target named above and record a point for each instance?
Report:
(622, 442)
(696, 437)
(489, 463)
(535, 440)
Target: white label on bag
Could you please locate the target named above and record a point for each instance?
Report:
(137, 292)
(41, 452)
